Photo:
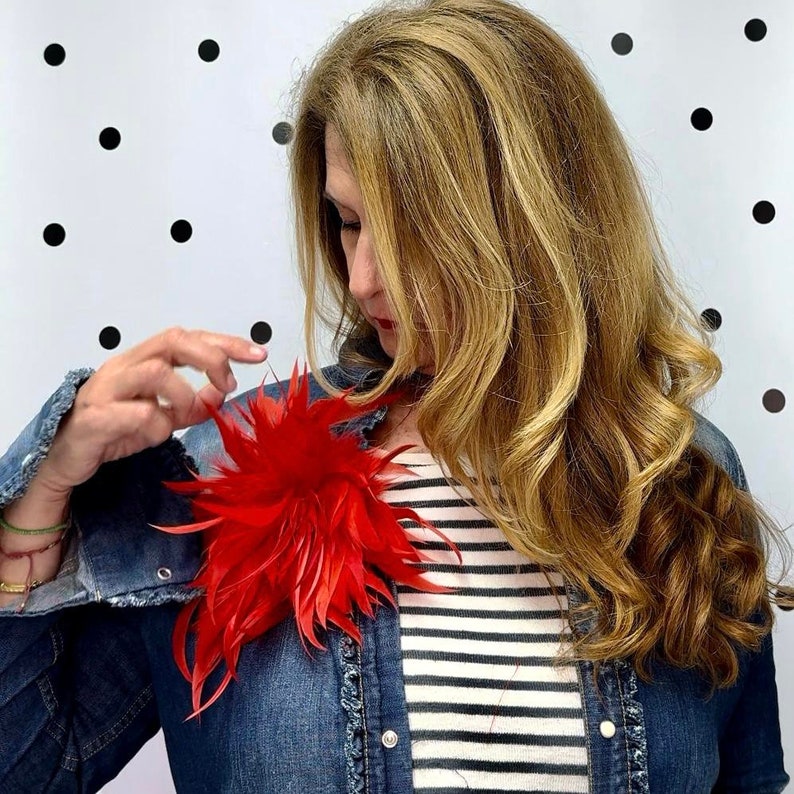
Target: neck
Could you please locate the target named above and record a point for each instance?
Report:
(399, 428)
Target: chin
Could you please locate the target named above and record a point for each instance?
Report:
(388, 342)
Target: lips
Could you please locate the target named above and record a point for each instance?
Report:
(387, 325)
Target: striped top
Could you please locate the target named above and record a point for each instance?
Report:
(488, 708)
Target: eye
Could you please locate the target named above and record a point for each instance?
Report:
(336, 219)
(350, 227)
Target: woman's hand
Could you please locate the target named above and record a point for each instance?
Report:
(117, 412)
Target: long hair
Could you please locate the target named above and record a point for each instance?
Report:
(514, 239)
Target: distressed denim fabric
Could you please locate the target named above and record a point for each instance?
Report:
(87, 672)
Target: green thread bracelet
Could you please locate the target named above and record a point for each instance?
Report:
(18, 531)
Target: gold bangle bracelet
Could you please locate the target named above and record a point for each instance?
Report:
(5, 587)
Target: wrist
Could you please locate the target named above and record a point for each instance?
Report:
(47, 488)
(36, 524)
(45, 494)
(38, 509)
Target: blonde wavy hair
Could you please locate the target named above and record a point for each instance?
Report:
(514, 237)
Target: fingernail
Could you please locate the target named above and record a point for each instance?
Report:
(257, 351)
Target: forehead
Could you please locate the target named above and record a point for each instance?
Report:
(339, 179)
(335, 157)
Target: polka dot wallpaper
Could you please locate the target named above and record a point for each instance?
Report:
(143, 184)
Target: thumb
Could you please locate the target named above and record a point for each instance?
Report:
(207, 395)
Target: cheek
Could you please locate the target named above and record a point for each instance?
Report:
(349, 250)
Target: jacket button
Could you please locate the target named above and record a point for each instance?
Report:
(389, 739)
(164, 573)
(607, 728)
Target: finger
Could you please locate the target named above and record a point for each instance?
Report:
(154, 420)
(125, 379)
(182, 347)
(198, 412)
(145, 380)
(211, 353)
(122, 428)
(190, 410)
(154, 425)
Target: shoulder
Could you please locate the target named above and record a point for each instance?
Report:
(709, 438)
(203, 442)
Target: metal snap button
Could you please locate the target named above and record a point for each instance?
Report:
(164, 573)
(389, 739)
(607, 728)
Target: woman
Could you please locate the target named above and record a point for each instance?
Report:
(465, 199)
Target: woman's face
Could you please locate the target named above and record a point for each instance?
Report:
(341, 188)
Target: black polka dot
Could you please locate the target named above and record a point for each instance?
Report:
(209, 50)
(711, 319)
(261, 332)
(54, 55)
(755, 30)
(774, 401)
(764, 212)
(109, 138)
(282, 133)
(109, 338)
(702, 119)
(181, 231)
(622, 43)
(54, 234)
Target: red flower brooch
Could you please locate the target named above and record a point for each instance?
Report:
(296, 526)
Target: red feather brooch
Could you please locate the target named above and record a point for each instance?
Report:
(296, 526)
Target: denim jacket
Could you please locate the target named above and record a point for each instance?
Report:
(87, 673)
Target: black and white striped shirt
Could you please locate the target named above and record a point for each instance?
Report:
(488, 708)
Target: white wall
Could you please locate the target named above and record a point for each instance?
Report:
(196, 144)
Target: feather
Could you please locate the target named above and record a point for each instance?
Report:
(295, 526)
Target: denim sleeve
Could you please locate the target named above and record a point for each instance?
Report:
(751, 755)
(76, 696)
(22, 459)
(713, 441)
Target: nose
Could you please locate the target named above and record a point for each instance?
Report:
(363, 280)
